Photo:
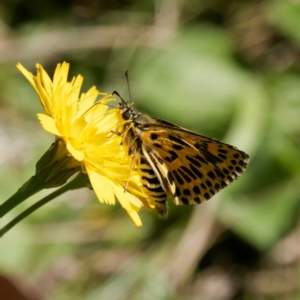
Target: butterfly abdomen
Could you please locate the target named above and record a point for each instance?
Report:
(153, 188)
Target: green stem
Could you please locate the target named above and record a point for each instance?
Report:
(76, 183)
(31, 187)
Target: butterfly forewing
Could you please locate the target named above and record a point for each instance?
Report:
(193, 167)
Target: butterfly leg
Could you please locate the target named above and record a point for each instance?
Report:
(114, 132)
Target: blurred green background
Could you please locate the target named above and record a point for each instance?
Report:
(226, 69)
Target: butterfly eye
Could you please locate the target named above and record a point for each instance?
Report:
(127, 114)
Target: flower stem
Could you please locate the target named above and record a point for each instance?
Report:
(76, 183)
(31, 187)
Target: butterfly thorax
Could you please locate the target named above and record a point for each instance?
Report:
(133, 128)
(131, 138)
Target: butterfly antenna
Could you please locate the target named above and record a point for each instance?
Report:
(116, 93)
(128, 85)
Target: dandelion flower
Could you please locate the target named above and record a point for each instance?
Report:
(84, 139)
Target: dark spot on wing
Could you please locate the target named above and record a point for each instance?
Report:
(198, 145)
(196, 171)
(211, 174)
(193, 161)
(210, 157)
(178, 178)
(207, 196)
(184, 200)
(196, 190)
(178, 141)
(230, 178)
(219, 173)
(187, 192)
(238, 169)
(172, 157)
(222, 156)
(208, 183)
(236, 155)
(177, 147)
(203, 186)
(225, 171)
(224, 183)
(189, 172)
(173, 153)
(235, 174)
(153, 136)
(233, 161)
(223, 151)
(244, 154)
(184, 175)
(177, 192)
(157, 145)
(242, 164)
(201, 159)
(197, 200)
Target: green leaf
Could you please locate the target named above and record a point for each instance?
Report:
(265, 217)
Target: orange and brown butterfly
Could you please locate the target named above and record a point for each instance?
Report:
(175, 162)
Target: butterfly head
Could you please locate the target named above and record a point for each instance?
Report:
(126, 109)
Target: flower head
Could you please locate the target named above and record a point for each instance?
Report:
(86, 129)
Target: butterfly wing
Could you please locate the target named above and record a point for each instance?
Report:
(191, 167)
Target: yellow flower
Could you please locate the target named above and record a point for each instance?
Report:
(84, 128)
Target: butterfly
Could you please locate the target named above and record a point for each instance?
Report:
(175, 162)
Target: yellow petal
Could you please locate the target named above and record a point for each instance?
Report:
(122, 196)
(48, 124)
(78, 155)
(135, 218)
(27, 74)
(102, 187)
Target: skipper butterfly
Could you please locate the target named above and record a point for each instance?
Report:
(175, 162)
